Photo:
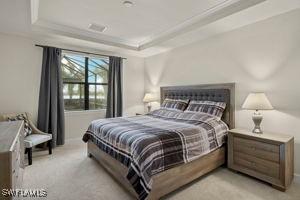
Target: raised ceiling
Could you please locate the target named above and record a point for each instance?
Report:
(135, 24)
(147, 28)
(146, 23)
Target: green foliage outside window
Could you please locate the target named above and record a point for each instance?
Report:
(85, 82)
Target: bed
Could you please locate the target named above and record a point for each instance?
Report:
(150, 172)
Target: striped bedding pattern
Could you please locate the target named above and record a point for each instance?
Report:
(175, 104)
(149, 144)
(210, 107)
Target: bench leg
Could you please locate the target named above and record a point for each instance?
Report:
(29, 151)
(50, 146)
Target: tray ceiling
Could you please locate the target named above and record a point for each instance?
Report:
(145, 24)
(147, 28)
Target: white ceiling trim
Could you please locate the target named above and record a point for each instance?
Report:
(34, 5)
(219, 11)
(45, 26)
(213, 14)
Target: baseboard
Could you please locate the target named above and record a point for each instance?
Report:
(297, 178)
(72, 140)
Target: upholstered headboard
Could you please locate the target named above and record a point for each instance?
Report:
(214, 92)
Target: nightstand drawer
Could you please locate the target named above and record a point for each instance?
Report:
(267, 156)
(257, 149)
(259, 165)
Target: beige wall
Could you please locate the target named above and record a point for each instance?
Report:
(20, 69)
(260, 57)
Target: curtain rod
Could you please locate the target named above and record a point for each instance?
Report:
(77, 51)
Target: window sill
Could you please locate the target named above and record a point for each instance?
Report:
(84, 112)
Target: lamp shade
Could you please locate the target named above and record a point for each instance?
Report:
(257, 101)
(149, 97)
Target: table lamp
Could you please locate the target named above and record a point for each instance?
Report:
(148, 98)
(257, 101)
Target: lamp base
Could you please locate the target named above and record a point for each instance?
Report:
(257, 118)
(257, 131)
(149, 107)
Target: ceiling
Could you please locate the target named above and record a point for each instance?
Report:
(134, 25)
(147, 28)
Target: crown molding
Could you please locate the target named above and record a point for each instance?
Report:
(34, 6)
(213, 14)
(46, 26)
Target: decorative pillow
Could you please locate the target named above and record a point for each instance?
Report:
(175, 104)
(27, 128)
(210, 107)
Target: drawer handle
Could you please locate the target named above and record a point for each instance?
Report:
(14, 171)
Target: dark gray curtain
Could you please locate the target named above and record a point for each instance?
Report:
(114, 93)
(51, 104)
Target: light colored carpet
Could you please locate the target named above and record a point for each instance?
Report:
(70, 174)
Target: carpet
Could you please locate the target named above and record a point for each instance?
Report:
(69, 174)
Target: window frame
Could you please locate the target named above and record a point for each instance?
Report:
(86, 82)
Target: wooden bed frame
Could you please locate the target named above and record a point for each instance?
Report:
(172, 179)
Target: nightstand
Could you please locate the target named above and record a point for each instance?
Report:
(268, 156)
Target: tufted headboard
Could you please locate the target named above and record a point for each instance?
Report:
(214, 92)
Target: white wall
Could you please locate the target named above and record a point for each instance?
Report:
(260, 57)
(20, 69)
(133, 87)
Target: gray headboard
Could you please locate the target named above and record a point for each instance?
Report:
(224, 92)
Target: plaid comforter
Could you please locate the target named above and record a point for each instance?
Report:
(149, 144)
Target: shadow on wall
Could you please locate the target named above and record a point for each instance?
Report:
(155, 73)
(132, 110)
(260, 57)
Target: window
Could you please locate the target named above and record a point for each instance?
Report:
(85, 81)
